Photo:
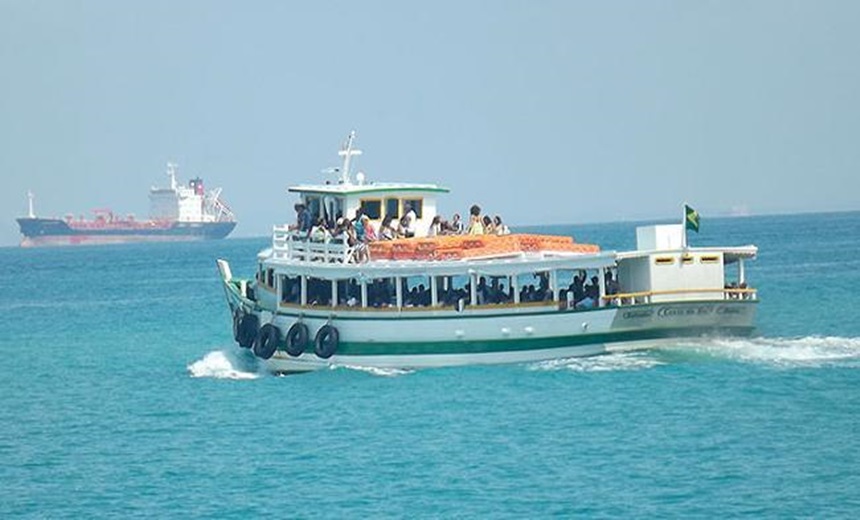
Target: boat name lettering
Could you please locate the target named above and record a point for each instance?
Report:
(665, 312)
(638, 314)
(730, 310)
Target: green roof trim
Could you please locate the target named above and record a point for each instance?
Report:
(359, 190)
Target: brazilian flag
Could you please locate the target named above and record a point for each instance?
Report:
(691, 217)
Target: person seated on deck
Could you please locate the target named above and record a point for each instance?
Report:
(610, 283)
(319, 233)
(500, 227)
(401, 228)
(423, 296)
(435, 227)
(489, 227)
(578, 287)
(358, 242)
(593, 289)
(386, 230)
(340, 232)
(369, 230)
(456, 226)
(482, 292)
(304, 222)
(476, 224)
(504, 294)
(413, 298)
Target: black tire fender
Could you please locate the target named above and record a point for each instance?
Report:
(297, 339)
(327, 339)
(267, 341)
(247, 330)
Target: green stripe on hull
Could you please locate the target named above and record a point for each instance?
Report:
(512, 345)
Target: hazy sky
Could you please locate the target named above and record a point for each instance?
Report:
(542, 111)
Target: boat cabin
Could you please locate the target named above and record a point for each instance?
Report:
(378, 201)
(663, 269)
(347, 197)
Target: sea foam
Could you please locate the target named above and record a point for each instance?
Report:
(220, 365)
(381, 372)
(614, 362)
(808, 351)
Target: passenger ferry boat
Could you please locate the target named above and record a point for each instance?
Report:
(471, 299)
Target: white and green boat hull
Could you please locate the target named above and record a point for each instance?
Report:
(411, 338)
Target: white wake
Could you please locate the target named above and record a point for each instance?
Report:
(809, 351)
(621, 361)
(376, 371)
(221, 365)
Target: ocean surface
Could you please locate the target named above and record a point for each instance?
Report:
(124, 396)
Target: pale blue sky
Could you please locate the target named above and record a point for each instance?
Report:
(543, 111)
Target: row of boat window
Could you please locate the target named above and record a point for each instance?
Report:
(329, 208)
(579, 288)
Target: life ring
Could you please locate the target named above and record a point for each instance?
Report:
(326, 342)
(267, 341)
(247, 330)
(297, 339)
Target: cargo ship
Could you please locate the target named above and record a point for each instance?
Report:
(176, 213)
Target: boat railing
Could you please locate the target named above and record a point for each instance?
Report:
(636, 298)
(290, 244)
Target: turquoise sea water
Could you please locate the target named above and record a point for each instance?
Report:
(123, 396)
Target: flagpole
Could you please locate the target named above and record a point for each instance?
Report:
(684, 226)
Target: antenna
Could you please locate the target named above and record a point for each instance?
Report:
(30, 214)
(347, 152)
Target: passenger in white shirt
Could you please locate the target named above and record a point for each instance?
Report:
(410, 217)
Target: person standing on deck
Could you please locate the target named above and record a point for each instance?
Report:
(476, 226)
(409, 220)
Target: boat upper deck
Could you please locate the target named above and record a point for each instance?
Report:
(294, 248)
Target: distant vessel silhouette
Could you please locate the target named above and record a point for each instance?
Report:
(177, 213)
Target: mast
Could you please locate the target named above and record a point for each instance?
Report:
(347, 152)
(171, 172)
(684, 226)
(30, 213)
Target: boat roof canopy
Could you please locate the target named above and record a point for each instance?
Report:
(364, 189)
(730, 254)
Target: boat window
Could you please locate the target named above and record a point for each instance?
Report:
(314, 207)
(494, 290)
(417, 205)
(332, 209)
(392, 208)
(416, 291)
(270, 277)
(372, 208)
(349, 293)
(664, 260)
(291, 289)
(452, 289)
(381, 293)
(319, 292)
(687, 259)
(570, 285)
(534, 287)
(710, 259)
